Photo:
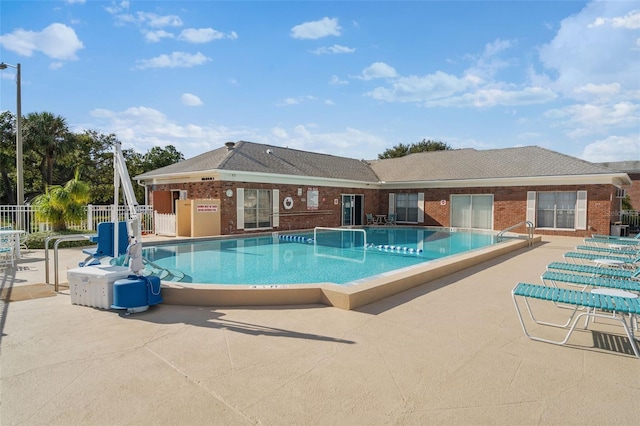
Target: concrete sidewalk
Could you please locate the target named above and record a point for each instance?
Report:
(448, 352)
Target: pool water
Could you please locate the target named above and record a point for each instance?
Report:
(341, 257)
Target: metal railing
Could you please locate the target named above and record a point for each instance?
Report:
(530, 228)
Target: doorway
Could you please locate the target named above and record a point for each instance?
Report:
(352, 210)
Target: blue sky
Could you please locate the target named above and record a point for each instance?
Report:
(343, 78)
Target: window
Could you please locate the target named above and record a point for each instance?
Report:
(556, 210)
(257, 208)
(407, 208)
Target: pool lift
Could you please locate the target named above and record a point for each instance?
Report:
(136, 292)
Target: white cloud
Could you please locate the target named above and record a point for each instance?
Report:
(156, 36)
(599, 92)
(279, 132)
(57, 41)
(335, 49)
(316, 29)
(629, 21)
(378, 70)
(142, 128)
(204, 35)
(485, 98)
(116, 7)
(613, 148)
(420, 89)
(55, 65)
(586, 119)
(582, 52)
(297, 101)
(487, 64)
(335, 80)
(350, 142)
(76, 1)
(174, 60)
(190, 100)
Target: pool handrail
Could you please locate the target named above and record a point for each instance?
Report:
(530, 228)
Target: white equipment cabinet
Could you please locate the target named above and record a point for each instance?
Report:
(93, 285)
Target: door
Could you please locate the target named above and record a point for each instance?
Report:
(472, 211)
(352, 213)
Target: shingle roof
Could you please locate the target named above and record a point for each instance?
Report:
(623, 166)
(530, 161)
(268, 159)
(462, 164)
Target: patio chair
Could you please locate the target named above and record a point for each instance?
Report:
(616, 238)
(390, 219)
(586, 281)
(622, 307)
(632, 252)
(632, 242)
(6, 252)
(624, 260)
(370, 219)
(577, 268)
(104, 238)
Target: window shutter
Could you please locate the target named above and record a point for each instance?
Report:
(276, 208)
(531, 207)
(240, 208)
(420, 207)
(581, 210)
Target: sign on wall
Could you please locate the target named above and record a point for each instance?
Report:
(312, 198)
(207, 208)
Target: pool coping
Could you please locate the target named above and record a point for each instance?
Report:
(340, 296)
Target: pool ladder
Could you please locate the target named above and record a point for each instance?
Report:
(530, 228)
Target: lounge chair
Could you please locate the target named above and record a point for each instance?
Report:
(626, 261)
(632, 252)
(577, 268)
(614, 238)
(620, 242)
(622, 307)
(586, 281)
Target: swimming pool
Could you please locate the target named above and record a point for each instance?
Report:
(345, 257)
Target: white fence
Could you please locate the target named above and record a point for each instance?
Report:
(165, 224)
(24, 217)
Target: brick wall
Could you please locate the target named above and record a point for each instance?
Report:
(634, 190)
(510, 205)
(328, 214)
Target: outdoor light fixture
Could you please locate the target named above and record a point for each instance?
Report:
(19, 173)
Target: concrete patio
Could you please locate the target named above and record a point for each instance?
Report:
(449, 352)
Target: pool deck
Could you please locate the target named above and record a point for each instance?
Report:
(450, 351)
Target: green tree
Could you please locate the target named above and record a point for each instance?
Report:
(47, 136)
(60, 205)
(7, 156)
(158, 157)
(424, 145)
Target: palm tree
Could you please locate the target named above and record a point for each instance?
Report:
(60, 205)
(45, 134)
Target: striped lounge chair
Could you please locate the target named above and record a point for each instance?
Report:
(578, 268)
(624, 308)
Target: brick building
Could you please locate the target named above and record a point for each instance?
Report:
(632, 169)
(268, 188)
